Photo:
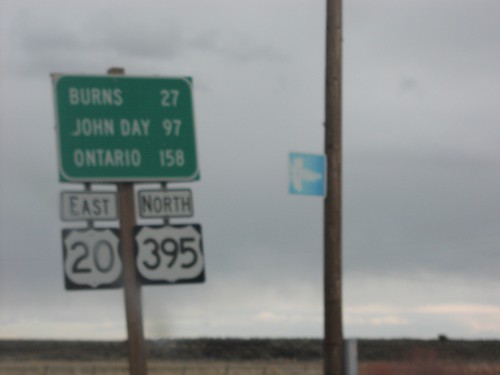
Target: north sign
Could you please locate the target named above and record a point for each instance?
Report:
(124, 128)
(156, 204)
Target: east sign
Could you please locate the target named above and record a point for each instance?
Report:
(125, 128)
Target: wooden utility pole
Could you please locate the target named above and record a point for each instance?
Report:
(333, 339)
(132, 289)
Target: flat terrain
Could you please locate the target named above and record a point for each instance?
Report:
(249, 357)
(161, 368)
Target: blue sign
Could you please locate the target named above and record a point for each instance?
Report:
(307, 174)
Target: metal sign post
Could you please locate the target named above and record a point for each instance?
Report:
(132, 290)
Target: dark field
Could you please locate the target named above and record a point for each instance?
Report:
(249, 357)
(248, 350)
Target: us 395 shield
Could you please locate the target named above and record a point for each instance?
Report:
(91, 259)
(170, 254)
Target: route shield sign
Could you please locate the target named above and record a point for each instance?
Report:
(125, 128)
(92, 259)
(169, 254)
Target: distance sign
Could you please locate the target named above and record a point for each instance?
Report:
(124, 128)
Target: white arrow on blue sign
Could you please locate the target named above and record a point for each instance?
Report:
(307, 174)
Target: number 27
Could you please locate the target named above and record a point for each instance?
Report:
(169, 98)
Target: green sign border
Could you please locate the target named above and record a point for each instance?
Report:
(137, 102)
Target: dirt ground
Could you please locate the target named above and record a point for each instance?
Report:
(247, 350)
(248, 357)
(161, 368)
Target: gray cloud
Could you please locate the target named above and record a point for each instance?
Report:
(420, 163)
(440, 219)
(137, 37)
(239, 47)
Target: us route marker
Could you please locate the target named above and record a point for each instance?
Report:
(91, 259)
(170, 254)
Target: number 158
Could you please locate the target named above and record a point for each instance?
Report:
(172, 158)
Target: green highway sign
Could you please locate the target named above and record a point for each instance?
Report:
(124, 128)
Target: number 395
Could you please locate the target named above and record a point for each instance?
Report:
(171, 249)
(170, 254)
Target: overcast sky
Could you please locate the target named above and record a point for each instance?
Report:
(421, 181)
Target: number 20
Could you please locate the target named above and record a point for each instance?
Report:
(78, 268)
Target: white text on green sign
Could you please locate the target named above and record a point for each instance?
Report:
(119, 128)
